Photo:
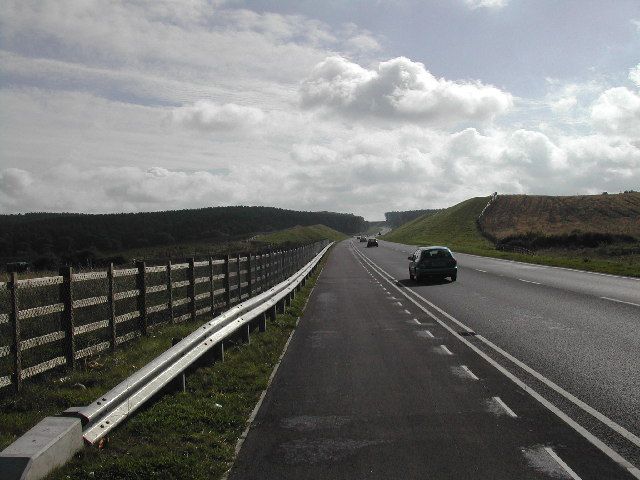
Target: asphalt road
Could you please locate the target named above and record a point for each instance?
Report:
(379, 383)
(565, 325)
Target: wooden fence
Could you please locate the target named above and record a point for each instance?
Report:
(56, 321)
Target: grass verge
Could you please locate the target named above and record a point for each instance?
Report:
(180, 435)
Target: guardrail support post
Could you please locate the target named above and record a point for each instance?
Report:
(227, 283)
(14, 318)
(273, 312)
(170, 291)
(219, 351)
(66, 295)
(262, 322)
(112, 308)
(141, 285)
(192, 288)
(244, 330)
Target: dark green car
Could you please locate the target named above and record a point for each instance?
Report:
(433, 262)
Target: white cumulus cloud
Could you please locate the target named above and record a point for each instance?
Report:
(617, 111)
(634, 75)
(206, 115)
(400, 89)
(495, 4)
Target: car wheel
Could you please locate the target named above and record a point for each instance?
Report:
(417, 278)
(410, 275)
(454, 277)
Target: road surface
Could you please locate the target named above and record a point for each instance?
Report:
(385, 378)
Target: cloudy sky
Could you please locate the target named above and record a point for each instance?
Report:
(360, 106)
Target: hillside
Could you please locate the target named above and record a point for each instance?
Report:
(454, 227)
(397, 219)
(300, 234)
(514, 215)
(607, 226)
(78, 239)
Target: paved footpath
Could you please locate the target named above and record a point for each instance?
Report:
(372, 388)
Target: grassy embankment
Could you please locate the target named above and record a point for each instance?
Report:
(180, 435)
(456, 228)
(299, 234)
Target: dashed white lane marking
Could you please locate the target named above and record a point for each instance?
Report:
(620, 301)
(428, 334)
(398, 304)
(416, 320)
(446, 350)
(604, 448)
(479, 270)
(529, 281)
(504, 406)
(407, 311)
(469, 372)
(560, 462)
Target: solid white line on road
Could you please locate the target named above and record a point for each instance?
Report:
(621, 301)
(428, 333)
(407, 311)
(446, 350)
(529, 281)
(604, 448)
(564, 466)
(504, 406)
(469, 372)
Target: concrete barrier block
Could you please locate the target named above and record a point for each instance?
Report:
(48, 445)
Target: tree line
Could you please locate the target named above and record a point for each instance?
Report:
(45, 239)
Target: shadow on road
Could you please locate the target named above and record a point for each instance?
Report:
(406, 282)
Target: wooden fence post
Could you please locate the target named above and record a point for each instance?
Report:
(192, 288)
(282, 260)
(227, 281)
(239, 277)
(170, 291)
(212, 287)
(269, 267)
(66, 295)
(14, 318)
(141, 285)
(249, 275)
(112, 307)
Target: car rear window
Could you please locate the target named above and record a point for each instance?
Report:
(437, 253)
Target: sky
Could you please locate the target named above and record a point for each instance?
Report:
(349, 106)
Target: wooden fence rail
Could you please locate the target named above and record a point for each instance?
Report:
(84, 313)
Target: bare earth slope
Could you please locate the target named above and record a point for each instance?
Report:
(521, 214)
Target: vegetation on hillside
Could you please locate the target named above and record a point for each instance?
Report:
(48, 239)
(454, 227)
(513, 215)
(300, 234)
(396, 219)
